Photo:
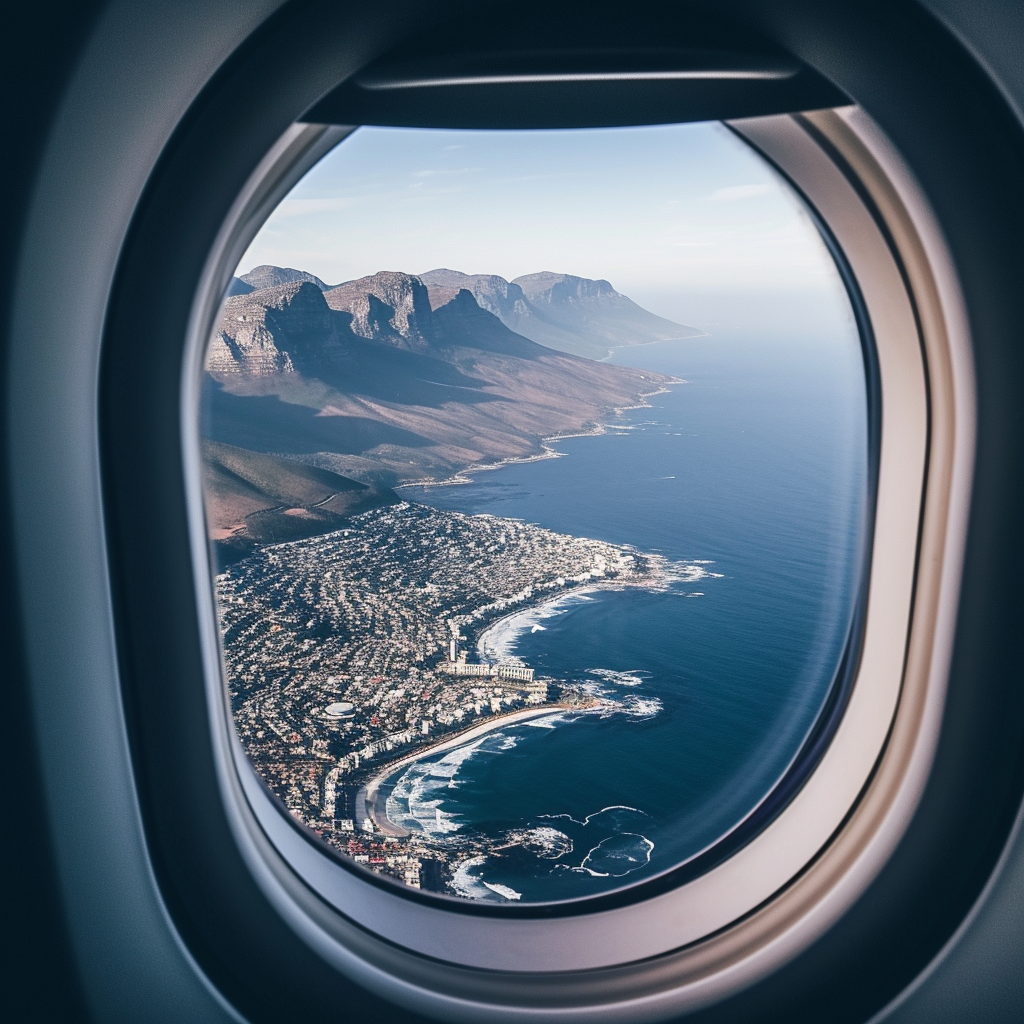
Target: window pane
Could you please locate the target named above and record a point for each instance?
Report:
(538, 536)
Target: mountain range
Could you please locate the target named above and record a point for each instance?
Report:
(570, 314)
(567, 313)
(319, 399)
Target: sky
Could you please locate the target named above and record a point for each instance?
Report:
(687, 220)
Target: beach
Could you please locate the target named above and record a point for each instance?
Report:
(375, 799)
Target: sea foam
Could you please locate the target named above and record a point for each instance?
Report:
(618, 855)
(498, 642)
(631, 677)
(504, 890)
(465, 882)
(416, 801)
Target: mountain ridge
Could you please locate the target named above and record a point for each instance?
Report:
(379, 382)
(579, 315)
(268, 276)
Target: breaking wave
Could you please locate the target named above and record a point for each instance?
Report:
(498, 642)
(547, 722)
(641, 708)
(691, 571)
(415, 802)
(632, 705)
(618, 855)
(504, 890)
(467, 882)
(543, 841)
(632, 677)
(617, 813)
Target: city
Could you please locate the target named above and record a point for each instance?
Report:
(348, 656)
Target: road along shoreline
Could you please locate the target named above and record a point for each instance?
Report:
(374, 794)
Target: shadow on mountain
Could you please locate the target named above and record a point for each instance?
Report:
(377, 371)
(263, 423)
(378, 378)
(460, 322)
(254, 498)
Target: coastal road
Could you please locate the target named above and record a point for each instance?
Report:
(375, 793)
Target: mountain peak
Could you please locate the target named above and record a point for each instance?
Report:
(267, 276)
(551, 288)
(388, 306)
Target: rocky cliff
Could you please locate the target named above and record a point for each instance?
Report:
(498, 296)
(570, 314)
(388, 307)
(384, 381)
(273, 330)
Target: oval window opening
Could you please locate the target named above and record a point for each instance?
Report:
(537, 483)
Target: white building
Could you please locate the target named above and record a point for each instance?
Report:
(504, 670)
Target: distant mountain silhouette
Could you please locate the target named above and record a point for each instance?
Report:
(266, 276)
(238, 287)
(571, 314)
(382, 380)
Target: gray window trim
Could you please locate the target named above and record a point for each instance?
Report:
(773, 898)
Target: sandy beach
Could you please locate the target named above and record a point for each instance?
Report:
(375, 799)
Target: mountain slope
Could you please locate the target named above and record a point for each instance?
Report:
(371, 381)
(571, 314)
(251, 496)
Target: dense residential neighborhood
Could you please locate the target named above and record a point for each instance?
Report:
(346, 652)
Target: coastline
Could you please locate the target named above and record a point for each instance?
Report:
(644, 344)
(371, 792)
(581, 590)
(465, 476)
(373, 795)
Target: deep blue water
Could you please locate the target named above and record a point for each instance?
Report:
(756, 465)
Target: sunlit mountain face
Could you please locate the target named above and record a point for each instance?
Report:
(526, 591)
(388, 380)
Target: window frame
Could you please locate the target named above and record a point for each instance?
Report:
(146, 149)
(775, 895)
(110, 407)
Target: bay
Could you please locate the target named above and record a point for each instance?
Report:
(755, 468)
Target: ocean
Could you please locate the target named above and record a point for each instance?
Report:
(754, 474)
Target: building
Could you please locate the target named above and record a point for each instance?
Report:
(504, 670)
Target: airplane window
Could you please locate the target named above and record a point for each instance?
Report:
(536, 469)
